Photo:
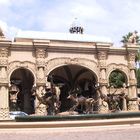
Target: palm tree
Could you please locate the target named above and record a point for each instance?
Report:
(127, 36)
(137, 58)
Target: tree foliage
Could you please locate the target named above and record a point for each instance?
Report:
(125, 38)
(117, 79)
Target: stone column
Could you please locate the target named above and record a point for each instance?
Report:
(132, 50)
(102, 55)
(124, 105)
(41, 80)
(4, 95)
(40, 109)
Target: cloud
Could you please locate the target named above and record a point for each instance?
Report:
(4, 2)
(102, 18)
(87, 11)
(62, 17)
(9, 31)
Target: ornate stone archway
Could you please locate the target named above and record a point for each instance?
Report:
(73, 67)
(18, 64)
(57, 62)
(23, 79)
(121, 67)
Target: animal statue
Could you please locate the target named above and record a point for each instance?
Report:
(123, 94)
(113, 100)
(82, 101)
(48, 100)
(133, 37)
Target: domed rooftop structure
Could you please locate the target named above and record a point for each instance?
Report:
(76, 28)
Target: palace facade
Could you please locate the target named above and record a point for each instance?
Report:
(74, 60)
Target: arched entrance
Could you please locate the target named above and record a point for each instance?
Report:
(24, 80)
(73, 77)
(117, 78)
(118, 90)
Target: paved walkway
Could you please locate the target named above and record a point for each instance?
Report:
(117, 132)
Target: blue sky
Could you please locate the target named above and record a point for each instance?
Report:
(111, 18)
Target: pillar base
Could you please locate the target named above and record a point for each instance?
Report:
(103, 108)
(133, 106)
(41, 111)
(4, 114)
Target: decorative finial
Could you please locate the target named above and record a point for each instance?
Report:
(76, 28)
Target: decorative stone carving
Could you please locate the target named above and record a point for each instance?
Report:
(40, 74)
(17, 64)
(131, 65)
(53, 63)
(131, 56)
(41, 110)
(3, 75)
(132, 81)
(133, 38)
(3, 52)
(102, 55)
(40, 53)
(4, 113)
(102, 64)
(3, 56)
(40, 57)
(3, 62)
(120, 67)
(74, 61)
(102, 59)
(40, 63)
(132, 106)
(103, 81)
(103, 107)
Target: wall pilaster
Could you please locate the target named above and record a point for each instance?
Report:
(131, 54)
(40, 54)
(102, 50)
(4, 94)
